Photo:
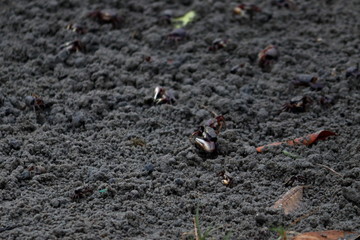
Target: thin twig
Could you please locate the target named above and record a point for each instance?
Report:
(184, 235)
(296, 221)
(330, 169)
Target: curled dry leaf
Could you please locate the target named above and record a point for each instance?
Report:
(326, 235)
(307, 140)
(291, 200)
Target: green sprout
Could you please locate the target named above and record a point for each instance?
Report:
(281, 231)
(103, 190)
(289, 154)
(184, 20)
(200, 235)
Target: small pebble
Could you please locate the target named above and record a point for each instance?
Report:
(25, 175)
(15, 144)
(134, 193)
(55, 203)
(29, 101)
(260, 219)
(149, 167)
(78, 120)
(179, 182)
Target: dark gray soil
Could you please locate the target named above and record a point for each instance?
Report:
(141, 178)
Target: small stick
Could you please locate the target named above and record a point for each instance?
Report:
(330, 169)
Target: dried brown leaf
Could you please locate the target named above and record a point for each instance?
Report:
(323, 235)
(291, 200)
(307, 140)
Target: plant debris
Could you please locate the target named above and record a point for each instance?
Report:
(330, 169)
(291, 200)
(327, 235)
(290, 154)
(297, 220)
(198, 233)
(184, 20)
(138, 142)
(307, 140)
(281, 231)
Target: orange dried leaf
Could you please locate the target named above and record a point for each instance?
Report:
(307, 140)
(324, 235)
(291, 200)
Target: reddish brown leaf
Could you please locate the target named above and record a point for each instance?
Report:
(307, 140)
(291, 200)
(325, 235)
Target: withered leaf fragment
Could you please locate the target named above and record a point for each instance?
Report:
(291, 200)
(326, 235)
(307, 140)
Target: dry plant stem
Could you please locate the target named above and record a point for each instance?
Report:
(196, 230)
(297, 220)
(330, 169)
(186, 234)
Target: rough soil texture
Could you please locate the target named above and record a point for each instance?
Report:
(141, 177)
